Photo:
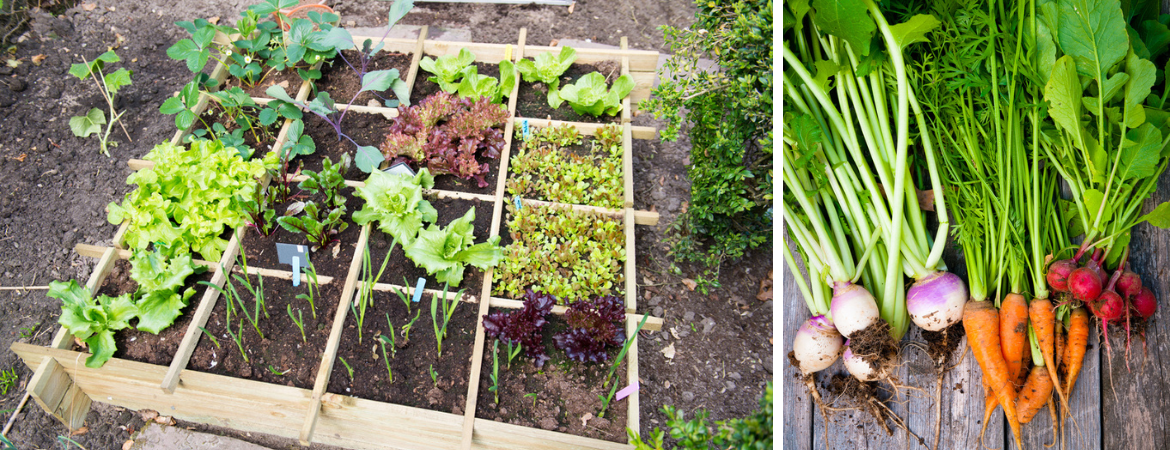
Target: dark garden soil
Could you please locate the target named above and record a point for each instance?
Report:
(282, 348)
(147, 347)
(400, 267)
(449, 182)
(533, 98)
(424, 88)
(412, 364)
(289, 79)
(260, 142)
(341, 82)
(56, 187)
(332, 261)
(364, 129)
(566, 391)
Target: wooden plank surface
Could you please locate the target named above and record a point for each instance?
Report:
(798, 404)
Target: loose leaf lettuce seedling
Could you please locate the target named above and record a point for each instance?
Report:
(547, 68)
(91, 320)
(591, 96)
(445, 252)
(396, 202)
(160, 275)
(475, 85)
(108, 85)
(448, 69)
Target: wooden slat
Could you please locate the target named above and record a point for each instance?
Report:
(202, 313)
(798, 404)
(387, 287)
(497, 216)
(398, 45)
(639, 218)
(633, 419)
(322, 380)
(414, 60)
(97, 251)
(286, 275)
(49, 387)
(240, 404)
(355, 423)
(492, 435)
(631, 262)
(588, 129)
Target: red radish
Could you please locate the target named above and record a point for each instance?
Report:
(1110, 307)
(1145, 303)
(1085, 284)
(1095, 266)
(1058, 274)
(1129, 284)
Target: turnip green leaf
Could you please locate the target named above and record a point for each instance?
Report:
(846, 19)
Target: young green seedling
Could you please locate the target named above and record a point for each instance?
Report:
(406, 328)
(533, 396)
(495, 388)
(365, 295)
(210, 336)
(238, 338)
(27, 332)
(7, 380)
(299, 320)
(348, 369)
(273, 370)
(393, 344)
(314, 288)
(383, 340)
(434, 375)
(108, 85)
(513, 350)
(448, 311)
(621, 355)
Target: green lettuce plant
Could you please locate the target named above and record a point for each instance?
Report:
(547, 68)
(448, 69)
(543, 169)
(160, 275)
(396, 202)
(445, 252)
(91, 320)
(109, 85)
(590, 95)
(475, 85)
(188, 198)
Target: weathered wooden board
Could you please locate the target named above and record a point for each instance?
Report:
(798, 404)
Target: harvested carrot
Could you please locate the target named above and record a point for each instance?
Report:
(989, 403)
(1059, 350)
(1013, 333)
(1074, 350)
(1043, 318)
(981, 322)
(1037, 390)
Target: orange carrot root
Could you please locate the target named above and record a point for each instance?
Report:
(981, 322)
(1037, 390)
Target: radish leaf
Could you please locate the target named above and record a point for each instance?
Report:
(1093, 33)
(846, 19)
(914, 30)
(1159, 217)
(1139, 157)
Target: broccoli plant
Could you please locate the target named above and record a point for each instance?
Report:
(109, 85)
(447, 251)
(594, 327)
(91, 320)
(341, 39)
(590, 95)
(445, 134)
(524, 326)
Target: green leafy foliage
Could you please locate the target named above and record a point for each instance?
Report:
(91, 320)
(341, 39)
(474, 85)
(160, 276)
(591, 95)
(546, 168)
(197, 49)
(730, 125)
(445, 252)
(396, 202)
(188, 198)
(447, 69)
(108, 85)
(566, 253)
(321, 221)
(183, 105)
(751, 432)
(547, 68)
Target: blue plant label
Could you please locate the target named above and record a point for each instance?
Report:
(525, 129)
(518, 204)
(295, 255)
(418, 289)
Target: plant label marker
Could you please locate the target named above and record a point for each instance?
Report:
(518, 204)
(626, 391)
(295, 255)
(400, 168)
(418, 289)
(525, 129)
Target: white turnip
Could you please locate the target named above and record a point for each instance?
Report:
(853, 308)
(817, 345)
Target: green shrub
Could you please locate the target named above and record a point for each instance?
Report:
(729, 118)
(751, 432)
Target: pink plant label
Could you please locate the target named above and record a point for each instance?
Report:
(626, 391)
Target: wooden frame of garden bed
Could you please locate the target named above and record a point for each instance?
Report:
(65, 387)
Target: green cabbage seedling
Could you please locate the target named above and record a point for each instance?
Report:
(590, 96)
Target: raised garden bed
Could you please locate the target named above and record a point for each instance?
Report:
(310, 402)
